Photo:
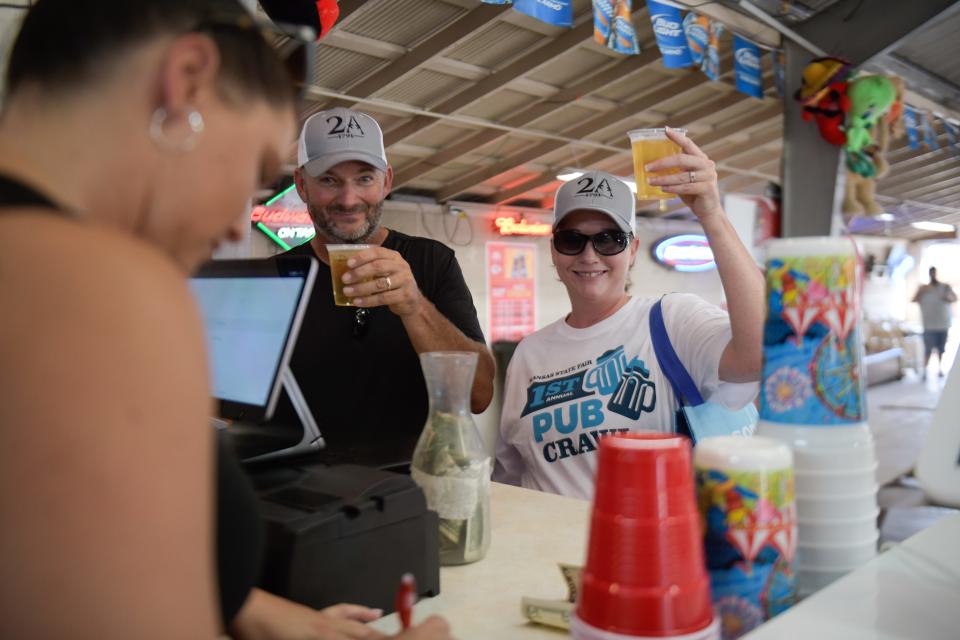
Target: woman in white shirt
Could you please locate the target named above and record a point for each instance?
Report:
(594, 372)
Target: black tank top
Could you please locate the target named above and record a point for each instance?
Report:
(238, 524)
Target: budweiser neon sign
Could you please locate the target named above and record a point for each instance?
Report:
(508, 226)
(274, 216)
(688, 252)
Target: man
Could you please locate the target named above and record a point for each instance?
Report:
(358, 366)
(935, 299)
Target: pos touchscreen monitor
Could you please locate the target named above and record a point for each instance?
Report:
(251, 311)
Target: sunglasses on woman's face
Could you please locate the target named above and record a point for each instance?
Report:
(294, 44)
(606, 243)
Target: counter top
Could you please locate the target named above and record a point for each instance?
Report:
(911, 591)
(531, 532)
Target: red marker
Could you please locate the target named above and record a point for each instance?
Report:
(406, 598)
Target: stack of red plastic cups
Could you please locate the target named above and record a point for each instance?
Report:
(645, 575)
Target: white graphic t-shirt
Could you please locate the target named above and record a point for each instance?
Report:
(566, 388)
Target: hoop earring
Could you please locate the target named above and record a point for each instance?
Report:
(159, 138)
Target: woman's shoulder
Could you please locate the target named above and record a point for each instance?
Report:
(84, 286)
(58, 251)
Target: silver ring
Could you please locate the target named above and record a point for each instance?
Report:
(389, 284)
(693, 176)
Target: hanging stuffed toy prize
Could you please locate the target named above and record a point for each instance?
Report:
(824, 97)
(871, 97)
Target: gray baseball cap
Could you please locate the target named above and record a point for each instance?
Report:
(597, 191)
(340, 135)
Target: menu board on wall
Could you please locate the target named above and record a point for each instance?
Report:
(511, 290)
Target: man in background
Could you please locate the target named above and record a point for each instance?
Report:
(935, 299)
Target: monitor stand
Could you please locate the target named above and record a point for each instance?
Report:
(311, 439)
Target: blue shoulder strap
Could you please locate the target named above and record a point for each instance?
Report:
(683, 386)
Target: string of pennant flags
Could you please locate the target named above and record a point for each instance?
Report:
(685, 41)
(690, 40)
(921, 130)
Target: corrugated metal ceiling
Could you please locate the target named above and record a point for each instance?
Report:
(515, 100)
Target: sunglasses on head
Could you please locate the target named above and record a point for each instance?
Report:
(294, 44)
(606, 243)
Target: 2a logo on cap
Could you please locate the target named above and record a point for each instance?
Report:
(345, 129)
(587, 188)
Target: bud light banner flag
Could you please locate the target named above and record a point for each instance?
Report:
(668, 28)
(746, 67)
(952, 130)
(711, 58)
(555, 12)
(613, 27)
(696, 29)
(778, 58)
(929, 135)
(910, 123)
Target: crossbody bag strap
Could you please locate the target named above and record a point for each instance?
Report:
(683, 385)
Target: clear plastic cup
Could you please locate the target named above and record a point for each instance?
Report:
(649, 145)
(645, 573)
(339, 254)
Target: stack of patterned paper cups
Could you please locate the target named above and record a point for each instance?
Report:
(745, 489)
(812, 398)
(645, 575)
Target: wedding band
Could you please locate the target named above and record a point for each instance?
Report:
(389, 284)
(693, 176)
(383, 283)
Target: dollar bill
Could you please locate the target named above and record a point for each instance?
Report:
(551, 613)
(571, 574)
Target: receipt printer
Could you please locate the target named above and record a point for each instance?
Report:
(347, 533)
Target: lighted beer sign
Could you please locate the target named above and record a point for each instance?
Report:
(508, 226)
(284, 219)
(688, 252)
(272, 216)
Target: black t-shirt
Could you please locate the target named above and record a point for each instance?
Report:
(238, 523)
(364, 384)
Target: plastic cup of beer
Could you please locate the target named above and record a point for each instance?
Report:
(649, 145)
(339, 254)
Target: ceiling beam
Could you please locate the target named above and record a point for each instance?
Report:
(940, 195)
(744, 123)
(907, 156)
(927, 180)
(949, 199)
(898, 177)
(757, 141)
(582, 130)
(753, 144)
(346, 9)
(432, 46)
(546, 106)
(933, 192)
(524, 64)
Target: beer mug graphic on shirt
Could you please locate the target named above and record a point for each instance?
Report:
(635, 393)
(605, 376)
